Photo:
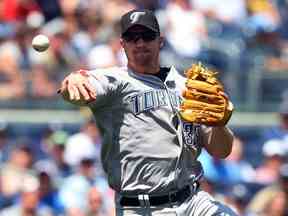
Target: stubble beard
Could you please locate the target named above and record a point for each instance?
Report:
(143, 62)
(145, 59)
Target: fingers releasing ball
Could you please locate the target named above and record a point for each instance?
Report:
(40, 43)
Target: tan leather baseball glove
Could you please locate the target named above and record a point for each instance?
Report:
(204, 100)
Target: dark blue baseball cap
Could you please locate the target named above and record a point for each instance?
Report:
(141, 17)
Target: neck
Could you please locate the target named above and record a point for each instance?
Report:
(28, 212)
(145, 69)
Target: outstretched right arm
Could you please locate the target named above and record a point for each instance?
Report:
(76, 88)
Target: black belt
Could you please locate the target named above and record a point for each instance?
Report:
(178, 196)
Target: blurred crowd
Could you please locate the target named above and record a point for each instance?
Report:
(233, 37)
(62, 175)
(58, 176)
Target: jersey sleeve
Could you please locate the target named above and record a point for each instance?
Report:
(107, 86)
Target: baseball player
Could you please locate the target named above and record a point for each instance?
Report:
(149, 153)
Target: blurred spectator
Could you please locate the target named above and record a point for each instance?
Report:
(277, 206)
(116, 9)
(4, 144)
(41, 85)
(264, 40)
(61, 56)
(18, 10)
(36, 72)
(68, 8)
(84, 144)
(271, 48)
(263, 15)
(272, 200)
(228, 13)
(280, 131)
(108, 54)
(96, 204)
(274, 155)
(65, 56)
(89, 34)
(235, 161)
(35, 21)
(55, 164)
(22, 39)
(214, 171)
(11, 81)
(234, 169)
(186, 40)
(48, 192)
(29, 201)
(208, 186)
(282, 7)
(18, 167)
(149, 4)
(50, 9)
(237, 197)
(6, 27)
(75, 188)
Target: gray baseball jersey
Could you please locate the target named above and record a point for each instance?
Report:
(146, 148)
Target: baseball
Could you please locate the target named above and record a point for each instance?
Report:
(40, 43)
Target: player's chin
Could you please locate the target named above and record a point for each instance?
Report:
(140, 55)
(143, 59)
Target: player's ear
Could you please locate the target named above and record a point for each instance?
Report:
(121, 42)
(161, 41)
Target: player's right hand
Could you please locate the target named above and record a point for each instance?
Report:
(77, 87)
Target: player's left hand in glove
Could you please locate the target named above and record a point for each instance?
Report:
(204, 100)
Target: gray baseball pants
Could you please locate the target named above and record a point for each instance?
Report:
(198, 204)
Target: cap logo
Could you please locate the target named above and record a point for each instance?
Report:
(134, 17)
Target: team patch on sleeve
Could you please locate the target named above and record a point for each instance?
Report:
(191, 135)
